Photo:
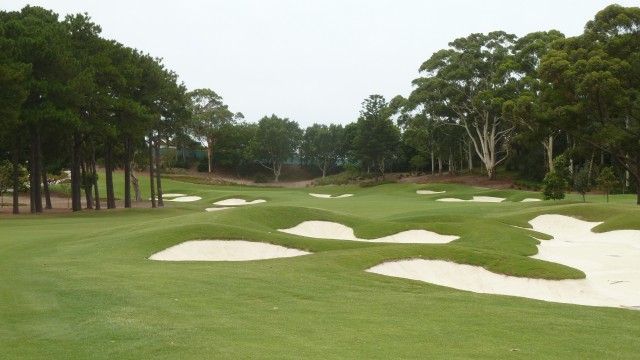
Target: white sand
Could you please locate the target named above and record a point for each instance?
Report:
(217, 208)
(611, 262)
(171, 195)
(223, 250)
(186, 199)
(335, 231)
(531, 200)
(238, 202)
(429, 192)
(327, 196)
(485, 199)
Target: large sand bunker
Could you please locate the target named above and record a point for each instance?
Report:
(485, 199)
(611, 262)
(238, 202)
(327, 196)
(335, 231)
(224, 250)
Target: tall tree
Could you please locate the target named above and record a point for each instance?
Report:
(323, 146)
(532, 111)
(277, 140)
(235, 145)
(473, 78)
(14, 75)
(377, 138)
(209, 115)
(598, 74)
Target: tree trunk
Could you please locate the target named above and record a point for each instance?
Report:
(210, 153)
(470, 157)
(87, 185)
(158, 175)
(94, 173)
(381, 167)
(548, 146)
(452, 168)
(277, 170)
(47, 194)
(108, 169)
(151, 179)
(433, 163)
(45, 182)
(16, 178)
(32, 181)
(36, 175)
(491, 172)
(136, 185)
(127, 172)
(76, 192)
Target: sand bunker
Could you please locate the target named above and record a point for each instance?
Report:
(171, 195)
(484, 199)
(327, 196)
(611, 262)
(224, 250)
(429, 192)
(238, 202)
(217, 208)
(335, 231)
(185, 199)
(530, 200)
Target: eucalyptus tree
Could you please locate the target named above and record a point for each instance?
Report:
(473, 79)
(598, 74)
(323, 146)
(532, 110)
(209, 115)
(277, 140)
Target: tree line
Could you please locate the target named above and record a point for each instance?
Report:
(524, 101)
(71, 99)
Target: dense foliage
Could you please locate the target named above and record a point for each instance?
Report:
(72, 100)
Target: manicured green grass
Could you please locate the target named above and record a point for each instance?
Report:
(80, 285)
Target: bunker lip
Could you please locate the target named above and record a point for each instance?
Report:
(609, 260)
(336, 231)
(225, 250)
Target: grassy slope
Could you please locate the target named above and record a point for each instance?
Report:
(80, 286)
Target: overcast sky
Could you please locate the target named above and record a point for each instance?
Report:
(311, 61)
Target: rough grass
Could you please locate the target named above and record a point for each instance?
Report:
(80, 285)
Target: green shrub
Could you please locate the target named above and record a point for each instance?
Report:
(554, 186)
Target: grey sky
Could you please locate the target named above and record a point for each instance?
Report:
(311, 61)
